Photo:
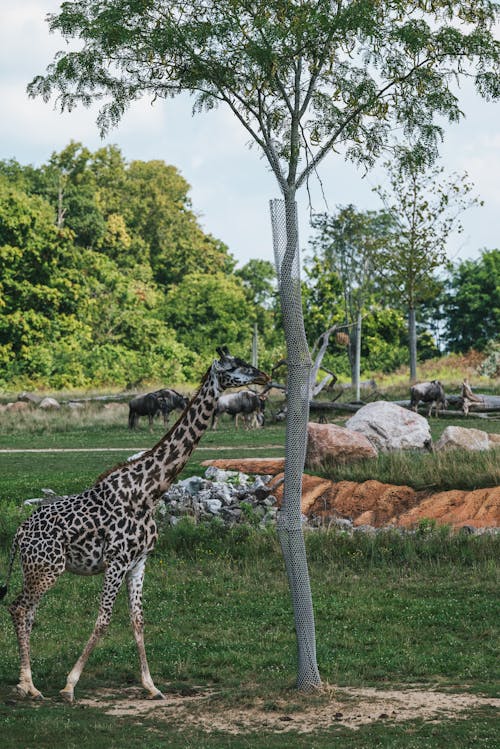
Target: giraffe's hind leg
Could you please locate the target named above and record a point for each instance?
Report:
(38, 578)
(135, 580)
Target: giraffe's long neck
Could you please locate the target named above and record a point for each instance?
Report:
(173, 451)
(146, 478)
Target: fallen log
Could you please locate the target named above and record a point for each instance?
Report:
(490, 405)
(323, 407)
(487, 402)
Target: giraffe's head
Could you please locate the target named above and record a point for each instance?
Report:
(232, 372)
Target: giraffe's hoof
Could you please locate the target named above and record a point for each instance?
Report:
(23, 692)
(67, 695)
(156, 695)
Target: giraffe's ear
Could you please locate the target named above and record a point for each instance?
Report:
(223, 351)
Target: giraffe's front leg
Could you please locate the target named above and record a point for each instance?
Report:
(113, 579)
(135, 580)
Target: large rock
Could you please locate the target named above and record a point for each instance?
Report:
(331, 443)
(494, 440)
(391, 427)
(49, 404)
(464, 439)
(29, 398)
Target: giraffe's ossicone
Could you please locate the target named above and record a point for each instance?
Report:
(110, 528)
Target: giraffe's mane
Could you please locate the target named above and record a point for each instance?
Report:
(124, 463)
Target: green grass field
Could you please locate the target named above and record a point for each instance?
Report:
(417, 613)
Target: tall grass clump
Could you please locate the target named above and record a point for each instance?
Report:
(437, 471)
(193, 541)
(451, 370)
(430, 545)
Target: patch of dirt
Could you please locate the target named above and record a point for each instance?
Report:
(347, 706)
(378, 504)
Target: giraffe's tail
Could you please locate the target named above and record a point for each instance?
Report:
(13, 552)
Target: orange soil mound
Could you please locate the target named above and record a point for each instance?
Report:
(378, 504)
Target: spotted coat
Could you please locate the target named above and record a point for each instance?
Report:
(110, 528)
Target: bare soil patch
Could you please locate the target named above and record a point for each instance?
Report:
(347, 706)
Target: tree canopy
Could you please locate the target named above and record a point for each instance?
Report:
(302, 77)
(91, 248)
(472, 303)
(425, 205)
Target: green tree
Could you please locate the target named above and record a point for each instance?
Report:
(68, 183)
(472, 303)
(304, 79)
(322, 297)
(37, 294)
(384, 345)
(425, 206)
(71, 316)
(259, 282)
(348, 243)
(156, 207)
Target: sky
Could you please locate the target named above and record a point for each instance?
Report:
(230, 183)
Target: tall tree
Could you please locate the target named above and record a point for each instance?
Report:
(472, 303)
(348, 243)
(303, 78)
(158, 208)
(425, 206)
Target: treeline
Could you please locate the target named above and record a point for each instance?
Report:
(106, 278)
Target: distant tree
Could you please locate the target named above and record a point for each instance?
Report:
(37, 299)
(322, 297)
(425, 206)
(348, 243)
(69, 184)
(472, 303)
(72, 316)
(259, 281)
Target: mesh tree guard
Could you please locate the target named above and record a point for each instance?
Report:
(289, 524)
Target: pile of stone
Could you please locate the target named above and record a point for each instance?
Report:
(231, 496)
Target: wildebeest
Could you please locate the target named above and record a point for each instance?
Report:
(169, 401)
(150, 404)
(428, 392)
(246, 403)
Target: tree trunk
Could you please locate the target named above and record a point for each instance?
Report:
(289, 525)
(357, 357)
(412, 343)
(255, 345)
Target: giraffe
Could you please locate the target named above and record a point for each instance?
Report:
(110, 528)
